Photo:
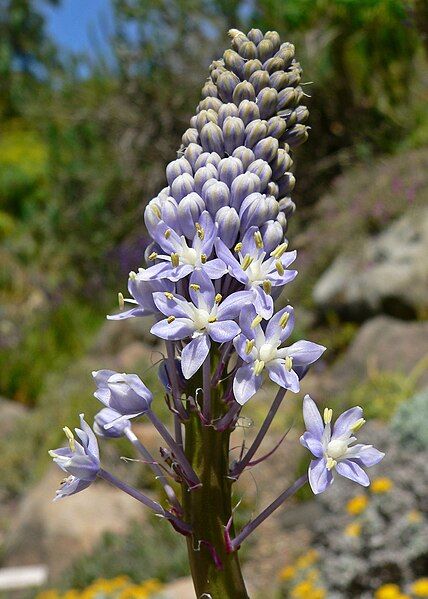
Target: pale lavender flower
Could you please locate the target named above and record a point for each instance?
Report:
(123, 393)
(206, 317)
(142, 296)
(334, 449)
(81, 460)
(257, 271)
(109, 423)
(260, 349)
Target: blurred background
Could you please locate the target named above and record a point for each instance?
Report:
(94, 98)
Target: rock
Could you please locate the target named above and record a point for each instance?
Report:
(386, 344)
(116, 335)
(388, 273)
(10, 413)
(56, 533)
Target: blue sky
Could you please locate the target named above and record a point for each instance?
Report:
(79, 25)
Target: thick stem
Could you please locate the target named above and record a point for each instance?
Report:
(216, 573)
(206, 382)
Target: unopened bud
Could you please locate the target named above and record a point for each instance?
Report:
(228, 169)
(254, 211)
(266, 149)
(262, 169)
(286, 184)
(182, 186)
(274, 64)
(233, 134)
(226, 110)
(265, 50)
(204, 117)
(286, 53)
(297, 135)
(209, 90)
(251, 66)
(248, 50)
(216, 196)
(244, 91)
(255, 132)
(279, 80)
(176, 168)
(267, 100)
(243, 186)
(275, 40)
(189, 211)
(192, 153)
(276, 127)
(190, 136)
(203, 175)
(255, 36)
(272, 235)
(286, 97)
(281, 164)
(234, 62)
(245, 155)
(212, 138)
(259, 80)
(208, 103)
(226, 84)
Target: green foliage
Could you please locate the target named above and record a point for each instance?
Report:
(409, 424)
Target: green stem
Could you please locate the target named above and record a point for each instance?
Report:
(208, 510)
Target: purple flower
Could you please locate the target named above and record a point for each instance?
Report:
(81, 460)
(260, 349)
(257, 271)
(142, 294)
(181, 260)
(333, 449)
(123, 393)
(206, 317)
(109, 423)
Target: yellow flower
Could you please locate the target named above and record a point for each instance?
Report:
(51, 594)
(381, 485)
(353, 529)
(414, 516)
(306, 590)
(287, 573)
(307, 559)
(420, 587)
(71, 594)
(388, 591)
(357, 504)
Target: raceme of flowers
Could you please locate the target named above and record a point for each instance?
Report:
(216, 263)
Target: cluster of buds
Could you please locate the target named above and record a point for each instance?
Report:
(217, 262)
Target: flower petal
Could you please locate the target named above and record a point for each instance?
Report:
(305, 352)
(275, 331)
(366, 455)
(279, 374)
(350, 469)
(180, 328)
(194, 354)
(314, 445)
(319, 477)
(345, 421)
(204, 297)
(224, 330)
(312, 418)
(246, 384)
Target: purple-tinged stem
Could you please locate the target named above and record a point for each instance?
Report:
(242, 464)
(222, 363)
(225, 422)
(206, 382)
(175, 448)
(175, 387)
(234, 544)
(172, 497)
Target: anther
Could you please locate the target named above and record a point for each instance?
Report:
(249, 346)
(121, 300)
(284, 319)
(218, 298)
(289, 363)
(175, 259)
(279, 268)
(169, 295)
(258, 239)
(277, 252)
(203, 258)
(258, 367)
(238, 247)
(328, 414)
(330, 463)
(170, 319)
(167, 234)
(153, 256)
(132, 275)
(246, 262)
(267, 287)
(200, 231)
(70, 438)
(156, 210)
(212, 319)
(257, 320)
(194, 286)
(357, 425)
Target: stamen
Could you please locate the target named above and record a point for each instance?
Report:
(238, 247)
(218, 298)
(70, 438)
(284, 319)
(267, 287)
(212, 319)
(328, 414)
(194, 286)
(132, 275)
(257, 320)
(357, 425)
(175, 259)
(249, 346)
(279, 268)
(156, 210)
(203, 258)
(121, 300)
(169, 295)
(167, 234)
(289, 363)
(246, 262)
(258, 239)
(277, 252)
(200, 231)
(170, 319)
(153, 256)
(258, 367)
(331, 463)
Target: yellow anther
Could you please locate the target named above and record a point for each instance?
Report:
(278, 251)
(170, 319)
(132, 275)
(203, 258)
(238, 247)
(156, 210)
(70, 438)
(194, 286)
(258, 367)
(246, 262)
(357, 425)
(258, 239)
(267, 287)
(121, 300)
(175, 259)
(289, 363)
(169, 295)
(153, 256)
(200, 231)
(212, 318)
(328, 414)
(167, 234)
(284, 319)
(257, 320)
(330, 463)
(218, 298)
(249, 346)
(279, 268)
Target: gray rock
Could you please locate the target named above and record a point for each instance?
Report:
(386, 273)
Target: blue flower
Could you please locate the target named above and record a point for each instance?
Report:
(122, 393)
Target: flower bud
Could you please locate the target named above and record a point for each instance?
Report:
(255, 36)
(265, 50)
(248, 112)
(152, 214)
(229, 169)
(212, 138)
(302, 114)
(192, 153)
(209, 89)
(214, 159)
(190, 136)
(276, 127)
(244, 91)
(273, 189)
(176, 168)
(259, 80)
(286, 53)
(208, 103)
(283, 221)
(296, 136)
(228, 225)
(243, 186)
(238, 38)
(274, 39)
(267, 100)
(216, 72)
(204, 117)
(107, 416)
(279, 80)
(294, 77)
(272, 235)
(234, 62)
(216, 196)
(286, 97)
(233, 133)
(181, 186)
(254, 132)
(251, 66)
(287, 207)
(253, 211)
(281, 164)
(203, 174)
(170, 213)
(272, 207)
(248, 50)
(226, 84)
(273, 64)
(245, 155)
(226, 110)
(266, 149)
(262, 170)
(286, 184)
(189, 211)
